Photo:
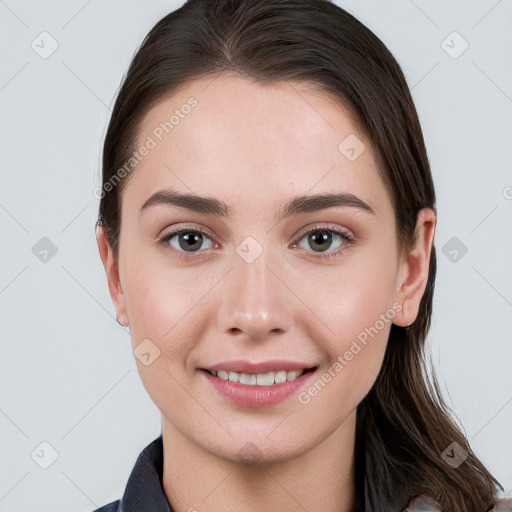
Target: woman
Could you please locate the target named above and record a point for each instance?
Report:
(267, 223)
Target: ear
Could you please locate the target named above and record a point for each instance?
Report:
(110, 262)
(413, 269)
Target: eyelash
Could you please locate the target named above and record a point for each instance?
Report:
(347, 237)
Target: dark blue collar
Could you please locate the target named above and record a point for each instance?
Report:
(144, 491)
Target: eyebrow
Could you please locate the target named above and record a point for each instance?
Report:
(296, 205)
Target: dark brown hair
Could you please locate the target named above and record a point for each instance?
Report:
(403, 424)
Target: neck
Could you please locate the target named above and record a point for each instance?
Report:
(320, 479)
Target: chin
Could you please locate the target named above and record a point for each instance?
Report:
(253, 452)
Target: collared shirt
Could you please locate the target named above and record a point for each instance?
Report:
(144, 491)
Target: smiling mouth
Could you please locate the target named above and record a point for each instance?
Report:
(260, 379)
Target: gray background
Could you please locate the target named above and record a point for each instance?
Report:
(67, 374)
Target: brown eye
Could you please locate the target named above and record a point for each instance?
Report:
(187, 240)
(322, 239)
(319, 240)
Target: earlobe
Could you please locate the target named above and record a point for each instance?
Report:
(110, 263)
(414, 268)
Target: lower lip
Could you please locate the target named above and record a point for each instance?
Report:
(257, 396)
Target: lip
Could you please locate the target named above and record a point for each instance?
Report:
(273, 365)
(257, 396)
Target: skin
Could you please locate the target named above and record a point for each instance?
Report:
(255, 147)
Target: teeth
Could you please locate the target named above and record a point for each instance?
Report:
(260, 379)
(280, 376)
(247, 378)
(265, 379)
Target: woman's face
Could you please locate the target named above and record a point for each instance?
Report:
(244, 284)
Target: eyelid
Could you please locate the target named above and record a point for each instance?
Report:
(335, 228)
(186, 228)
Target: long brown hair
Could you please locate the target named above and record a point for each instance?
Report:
(403, 424)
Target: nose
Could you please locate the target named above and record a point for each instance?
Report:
(256, 300)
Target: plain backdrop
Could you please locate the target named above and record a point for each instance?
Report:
(68, 378)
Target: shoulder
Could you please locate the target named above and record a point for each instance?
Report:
(109, 507)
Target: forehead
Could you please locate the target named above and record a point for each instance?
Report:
(238, 140)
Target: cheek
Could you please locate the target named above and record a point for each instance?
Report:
(358, 309)
(362, 323)
(357, 296)
(163, 308)
(167, 306)
(157, 296)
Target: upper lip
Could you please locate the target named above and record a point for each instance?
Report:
(242, 366)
